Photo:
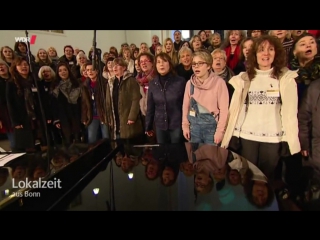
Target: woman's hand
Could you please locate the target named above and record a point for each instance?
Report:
(130, 122)
(217, 139)
(186, 135)
(305, 153)
(150, 133)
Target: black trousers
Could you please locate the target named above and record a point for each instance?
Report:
(264, 155)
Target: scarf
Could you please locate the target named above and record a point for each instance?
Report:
(144, 79)
(107, 75)
(65, 87)
(227, 74)
(232, 59)
(308, 73)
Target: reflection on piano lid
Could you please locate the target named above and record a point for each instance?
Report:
(5, 158)
(80, 159)
(187, 177)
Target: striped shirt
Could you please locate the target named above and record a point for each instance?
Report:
(287, 45)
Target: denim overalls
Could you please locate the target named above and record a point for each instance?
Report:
(202, 125)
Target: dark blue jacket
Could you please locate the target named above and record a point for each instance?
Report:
(164, 104)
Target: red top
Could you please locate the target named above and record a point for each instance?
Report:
(315, 33)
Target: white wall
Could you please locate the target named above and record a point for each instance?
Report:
(139, 36)
(82, 39)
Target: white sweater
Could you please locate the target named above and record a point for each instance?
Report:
(288, 113)
(262, 122)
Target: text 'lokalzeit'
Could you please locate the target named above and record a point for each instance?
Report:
(31, 40)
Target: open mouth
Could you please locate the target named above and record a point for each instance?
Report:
(299, 31)
(196, 71)
(308, 51)
(218, 64)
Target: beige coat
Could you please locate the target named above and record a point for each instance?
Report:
(289, 108)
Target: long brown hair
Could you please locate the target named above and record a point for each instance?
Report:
(279, 61)
(242, 57)
(2, 55)
(75, 83)
(15, 75)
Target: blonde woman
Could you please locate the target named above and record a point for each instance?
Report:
(184, 69)
(126, 54)
(81, 60)
(7, 55)
(123, 46)
(195, 43)
(43, 59)
(168, 48)
(144, 48)
(215, 40)
(159, 49)
(219, 66)
(83, 72)
(285, 38)
(47, 76)
(53, 54)
(205, 103)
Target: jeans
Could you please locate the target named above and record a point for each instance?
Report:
(169, 136)
(202, 128)
(202, 125)
(94, 130)
(10, 137)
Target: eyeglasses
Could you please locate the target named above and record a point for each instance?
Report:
(218, 58)
(145, 61)
(198, 64)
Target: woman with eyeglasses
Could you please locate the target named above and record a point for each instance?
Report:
(147, 73)
(205, 103)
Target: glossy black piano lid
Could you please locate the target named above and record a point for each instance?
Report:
(184, 177)
(68, 165)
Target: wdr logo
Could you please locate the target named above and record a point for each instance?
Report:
(31, 40)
